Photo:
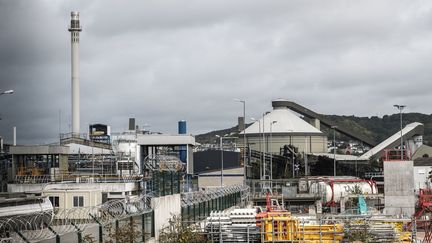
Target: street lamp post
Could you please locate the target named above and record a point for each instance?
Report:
(271, 152)
(11, 91)
(400, 108)
(7, 92)
(265, 148)
(259, 141)
(334, 150)
(244, 137)
(222, 160)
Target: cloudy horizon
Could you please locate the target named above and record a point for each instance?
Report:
(165, 61)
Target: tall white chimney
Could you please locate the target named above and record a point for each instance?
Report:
(75, 28)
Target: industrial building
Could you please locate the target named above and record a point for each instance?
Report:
(282, 127)
(256, 188)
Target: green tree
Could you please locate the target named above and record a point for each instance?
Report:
(178, 232)
(127, 232)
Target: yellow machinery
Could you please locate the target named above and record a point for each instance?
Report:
(275, 227)
(320, 233)
(403, 235)
(278, 225)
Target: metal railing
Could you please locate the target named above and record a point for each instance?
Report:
(76, 178)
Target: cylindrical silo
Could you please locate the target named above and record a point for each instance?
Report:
(182, 129)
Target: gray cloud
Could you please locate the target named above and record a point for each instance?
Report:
(163, 61)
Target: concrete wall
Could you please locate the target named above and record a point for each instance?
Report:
(164, 208)
(39, 149)
(399, 187)
(213, 179)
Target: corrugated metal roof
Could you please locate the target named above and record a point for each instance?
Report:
(286, 122)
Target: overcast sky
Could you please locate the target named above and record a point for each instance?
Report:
(164, 61)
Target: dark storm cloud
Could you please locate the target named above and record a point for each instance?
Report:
(163, 61)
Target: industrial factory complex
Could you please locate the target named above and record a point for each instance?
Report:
(281, 178)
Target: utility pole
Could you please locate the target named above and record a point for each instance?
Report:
(244, 138)
(400, 108)
(334, 150)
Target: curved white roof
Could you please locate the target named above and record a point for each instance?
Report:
(286, 122)
(389, 141)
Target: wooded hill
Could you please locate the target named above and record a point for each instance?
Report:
(376, 128)
(379, 129)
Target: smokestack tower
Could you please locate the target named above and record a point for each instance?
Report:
(75, 28)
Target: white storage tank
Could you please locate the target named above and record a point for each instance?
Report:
(336, 189)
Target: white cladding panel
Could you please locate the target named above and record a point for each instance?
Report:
(164, 139)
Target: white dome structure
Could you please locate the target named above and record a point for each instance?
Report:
(282, 127)
(283, 121)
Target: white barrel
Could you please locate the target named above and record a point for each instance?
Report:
(342, 189)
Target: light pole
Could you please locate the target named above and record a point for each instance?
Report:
(222, 161)
(400, 108)
(259, 141)
(221, 148)
(271, 152)
(334, 150)
(265, 148)
(7, 92)
(244, 136)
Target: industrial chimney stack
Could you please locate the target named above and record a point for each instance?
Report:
(75, 28)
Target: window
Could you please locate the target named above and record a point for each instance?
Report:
(116, 193)
(55, 201)
(78, 201)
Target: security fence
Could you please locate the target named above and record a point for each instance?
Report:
(131, 217)
(198, 205)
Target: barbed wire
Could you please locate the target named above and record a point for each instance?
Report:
(40, 225)
(164, 163)
(191, 198)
